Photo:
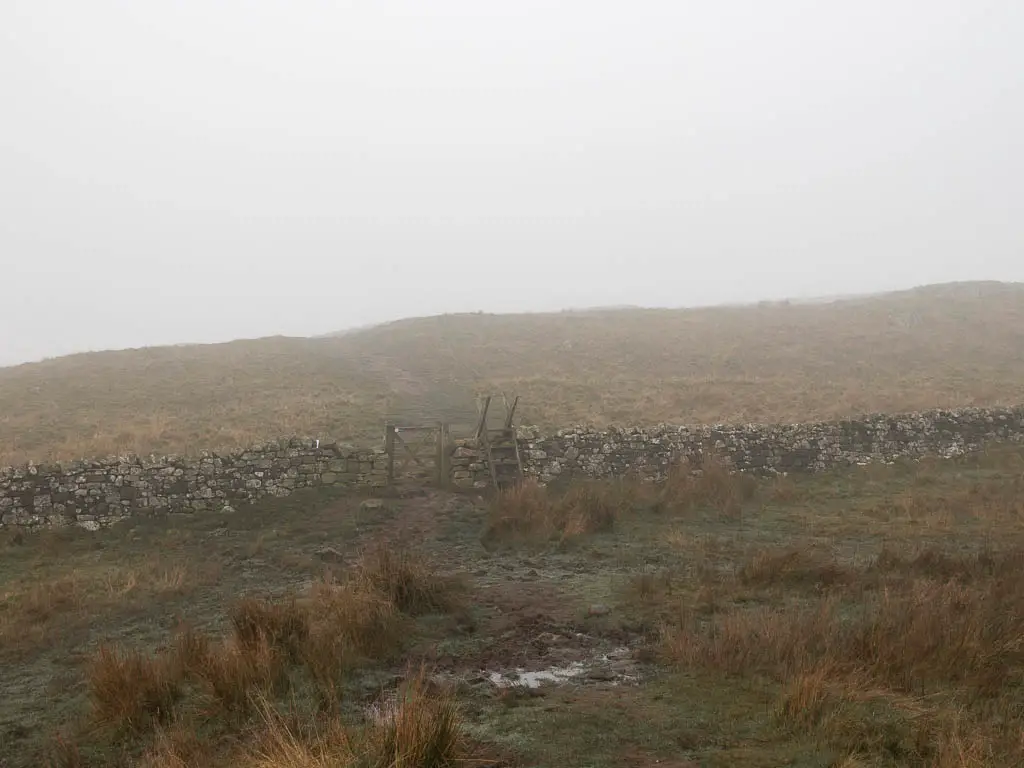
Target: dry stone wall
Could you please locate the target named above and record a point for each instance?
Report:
(649, 452)
(94, 494)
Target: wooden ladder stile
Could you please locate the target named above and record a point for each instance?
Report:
(500, 445)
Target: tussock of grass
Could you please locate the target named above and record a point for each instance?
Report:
(923, 641)
(908, 635)
(36, 609)
(933, 563)
(175, 746)
(650, 584)
(422, 730)
(708, 483)
(289, 646)
(280, 625)
(521, 510)
(130, 691)
(529, 511)
(232, 673)
(783, 489)
(992, 502)
(590, 508)
(350, 623)
(408, 580)
(791, 567)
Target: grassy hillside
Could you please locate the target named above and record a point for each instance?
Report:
(868, 617)
(960, 344)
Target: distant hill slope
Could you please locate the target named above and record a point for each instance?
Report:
(944, 345)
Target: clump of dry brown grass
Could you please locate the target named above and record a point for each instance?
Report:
(933, 563)
(529, 511)
(324, 635)
(43, 600)
(422, 729)
(35, 609)
(783, 489)
(64, 753)
(998, 501)
(282, 625)
(408, 580)
(175, 746)
(132, 692)
(754, 640)
(350, 622)
(519, 511)
(136, 693)
(650, 584)
(791, 567)
(910, 634)
(590, 507)
(231, 673)
(29, 611)
(707, 483)
(862, 666)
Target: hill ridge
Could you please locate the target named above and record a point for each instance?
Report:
(934, 346)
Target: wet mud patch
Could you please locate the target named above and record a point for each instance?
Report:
(534, 636)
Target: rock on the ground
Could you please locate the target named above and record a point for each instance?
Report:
(329, 554)
(601, 674)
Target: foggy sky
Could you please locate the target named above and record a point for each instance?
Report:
(200, 170)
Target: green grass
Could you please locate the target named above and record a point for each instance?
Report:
(866, 617)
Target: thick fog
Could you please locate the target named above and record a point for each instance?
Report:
(200, 170)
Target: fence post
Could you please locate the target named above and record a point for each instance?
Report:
(443, 468)
(389, 449)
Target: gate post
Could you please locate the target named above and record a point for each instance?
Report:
(443, 468)
(389, 449)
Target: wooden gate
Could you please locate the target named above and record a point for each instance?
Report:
(418, 453)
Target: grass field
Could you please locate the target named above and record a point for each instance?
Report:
(933, 347)
(864, 617)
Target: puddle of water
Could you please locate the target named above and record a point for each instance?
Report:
(536, 679)
(557, 675)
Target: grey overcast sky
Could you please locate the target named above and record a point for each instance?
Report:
(200, 170)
